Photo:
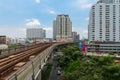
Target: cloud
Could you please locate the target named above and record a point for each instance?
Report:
(13, 32)
(37, 1)
(32, 22)
(83, 32)
(84, 3)
(19, 32)
(87, 19)
(52, 12)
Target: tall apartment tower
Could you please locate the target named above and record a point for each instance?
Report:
(62, 28)
(35, 33)
(104, 23)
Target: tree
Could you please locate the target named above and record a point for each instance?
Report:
(77, 66)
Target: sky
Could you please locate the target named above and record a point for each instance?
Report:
(17, 15)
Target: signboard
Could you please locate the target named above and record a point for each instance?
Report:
(83, 47)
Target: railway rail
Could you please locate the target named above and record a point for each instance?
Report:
(9, 52)
(7, 65)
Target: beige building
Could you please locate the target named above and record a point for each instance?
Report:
(62, 29)
(64, 39)
(4, 40)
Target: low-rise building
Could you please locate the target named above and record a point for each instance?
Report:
(4, 40)
(64, 39)
(104, 47)
(17, 40)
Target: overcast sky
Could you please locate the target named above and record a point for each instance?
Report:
(17, 15)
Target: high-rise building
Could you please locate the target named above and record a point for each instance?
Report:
(108, 1)
(62, 28)
(35, 33)
(104, 23)
(75, 37)
(44, 33)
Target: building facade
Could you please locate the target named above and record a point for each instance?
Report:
(104, 47)
(17, 41)
(104, 23)
(62, 28)
(35, 33)
(4, 39)
(75, 37)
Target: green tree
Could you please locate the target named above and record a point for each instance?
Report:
(77, 66)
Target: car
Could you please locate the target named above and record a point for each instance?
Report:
(58, 72)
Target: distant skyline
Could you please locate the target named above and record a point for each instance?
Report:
(17, 15)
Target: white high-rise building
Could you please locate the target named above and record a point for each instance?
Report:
(104, 23)
(36, 33)
(62, 28)
(108, 1)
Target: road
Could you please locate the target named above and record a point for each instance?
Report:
(54, 71)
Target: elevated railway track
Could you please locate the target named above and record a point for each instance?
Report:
(8, 64)
(8, 52)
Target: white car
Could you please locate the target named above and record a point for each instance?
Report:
(58, 72)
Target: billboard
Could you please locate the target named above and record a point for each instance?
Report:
(82, 46)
